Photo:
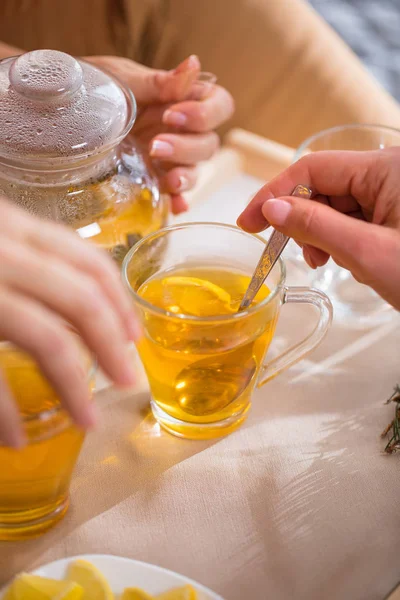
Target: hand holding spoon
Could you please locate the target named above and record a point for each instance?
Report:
(272, 252)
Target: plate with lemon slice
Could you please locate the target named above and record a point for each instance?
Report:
(104, 577)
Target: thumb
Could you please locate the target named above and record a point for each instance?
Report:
(152, 86)
(369, 251)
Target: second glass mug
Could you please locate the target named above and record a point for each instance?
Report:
(202, 370)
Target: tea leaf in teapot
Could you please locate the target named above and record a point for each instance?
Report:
(133, 239)
(119, 252)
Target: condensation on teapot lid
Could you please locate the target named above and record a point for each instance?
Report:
(55, 106)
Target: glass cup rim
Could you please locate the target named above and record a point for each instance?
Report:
(346, 127)
(51, 412)
(189, 318)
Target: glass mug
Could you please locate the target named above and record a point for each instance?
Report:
(203, 369)
(34, 480)
(356, 305)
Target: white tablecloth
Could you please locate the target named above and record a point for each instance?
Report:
(301, 503)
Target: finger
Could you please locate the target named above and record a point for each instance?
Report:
(152, 85)
(60, 242)
(176, 85)
(344, 238)
(258, 222)
(344, 204)
(11, 432)
(327, 173)
(318, 258)
(315, 256)
(178, 180)
(77, 298)
(186, 149)
(41, 334)
(202, 116)
(340, 264)
(178, 204)
(149, 122)
(308, 258)
(67, 246)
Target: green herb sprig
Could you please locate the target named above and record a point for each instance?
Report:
(392, 431)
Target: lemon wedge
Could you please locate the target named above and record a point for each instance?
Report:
(135, 594)
(187, 592)
(195, 296)
(33, 587)
(95, 585)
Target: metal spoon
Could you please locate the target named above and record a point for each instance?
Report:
(272, 252)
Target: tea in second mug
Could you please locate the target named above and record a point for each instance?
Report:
(35, 480)
(203, 359)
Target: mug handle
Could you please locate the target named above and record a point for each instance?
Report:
(301, 295)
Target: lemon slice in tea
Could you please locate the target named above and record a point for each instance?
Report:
(187, 592)
(95, 585)
(33, 587)
(195, 297)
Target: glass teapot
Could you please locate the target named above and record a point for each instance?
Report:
(65, 152)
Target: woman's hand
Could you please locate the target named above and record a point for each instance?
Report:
(48, 275)
(355, 215)
(175, 122)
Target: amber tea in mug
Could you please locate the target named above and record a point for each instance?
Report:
(34, 481)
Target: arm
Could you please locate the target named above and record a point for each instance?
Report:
(6, 50)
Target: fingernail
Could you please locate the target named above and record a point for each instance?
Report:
(190, 63)
(183, 184)
(253, 227)
(202, 89)
(239, 222)
(161, 149)
(193, 61)
(179, 205)
(175, 118)
(276, 211)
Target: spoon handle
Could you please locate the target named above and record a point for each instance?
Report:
(272, 252)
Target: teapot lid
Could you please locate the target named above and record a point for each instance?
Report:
(53, 106)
